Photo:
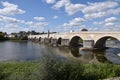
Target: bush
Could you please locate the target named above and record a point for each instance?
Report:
(52, 69)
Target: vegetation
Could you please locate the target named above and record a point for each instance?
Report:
(2, 36)
(17, 71)
(84, 29)
(54, 69)
(18, 38)
(75, 70)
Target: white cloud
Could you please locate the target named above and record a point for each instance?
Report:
(98, 23)
(39, 18)
(9, 24)
(37, 26)
(74, 25)
(30, 23)
(73, 8)
(10, 9)
(55, 17)
(108, 22)
(111, 19)
(61, 3)
(39, 23)
(50, 1)
(10, 20)
(95, 15)
(93, 29)
(108, 12)
(99, 6)
(117, 0)
(74, 22)
(113, 11)
(101, 9)
(70, 8)
(90, 11)
(77, 20)
(9, 28)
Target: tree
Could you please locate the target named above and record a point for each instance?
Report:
(2, 36)
(84, 29)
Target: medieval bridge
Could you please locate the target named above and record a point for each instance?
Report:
(91, 39)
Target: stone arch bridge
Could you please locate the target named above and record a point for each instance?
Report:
(91, 39)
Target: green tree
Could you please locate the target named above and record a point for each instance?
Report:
(2, 36)
(84, 29)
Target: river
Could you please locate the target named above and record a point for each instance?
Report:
(29, 51)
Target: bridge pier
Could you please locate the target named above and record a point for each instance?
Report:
(64, 42)
(46, 40)
(88, 44)
(54, 42)
(42, 40)
(37, 40)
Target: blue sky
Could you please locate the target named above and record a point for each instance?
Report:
(59, 15)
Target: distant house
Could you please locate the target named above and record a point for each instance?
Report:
(12, 35)
(22, 34)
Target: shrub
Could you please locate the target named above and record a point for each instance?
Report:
(53, 69)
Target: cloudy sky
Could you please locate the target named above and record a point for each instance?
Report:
(59, 15)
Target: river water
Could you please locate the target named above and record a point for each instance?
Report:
(28, 51)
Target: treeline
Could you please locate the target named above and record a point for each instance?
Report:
(3, 36)
(21, 35)
(13, 36)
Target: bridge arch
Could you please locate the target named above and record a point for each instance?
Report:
(50, 40)
(101, 42)
(59, 41)
(76, 41)
(34, 38)
(39, 38)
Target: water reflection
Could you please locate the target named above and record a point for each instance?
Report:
(29, 51)
(111, 55)
(100, 56)
(75, 52)
(106, 56)
(19, 51)
(89, 56)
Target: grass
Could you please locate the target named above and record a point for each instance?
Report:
(17, 71)
(50, 68)
(101, 71)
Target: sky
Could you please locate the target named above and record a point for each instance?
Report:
(59, 15)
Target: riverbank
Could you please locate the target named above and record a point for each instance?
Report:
(13, 39)
(51, 69)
